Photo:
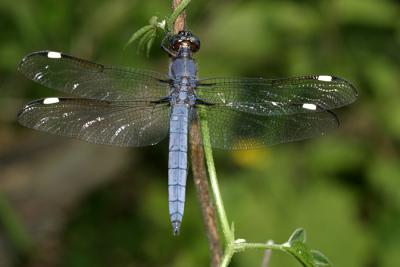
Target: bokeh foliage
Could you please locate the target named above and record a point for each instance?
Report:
(343, 188)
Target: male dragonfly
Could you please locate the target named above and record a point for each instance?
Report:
(129, 107)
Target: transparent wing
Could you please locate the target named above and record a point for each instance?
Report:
(232, 129)
(90, 80)
(277, 97)
(120, 123)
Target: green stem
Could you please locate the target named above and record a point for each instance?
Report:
(227, 232)
(232, 246)
(244, 246)
(178, 10)
(228, 254)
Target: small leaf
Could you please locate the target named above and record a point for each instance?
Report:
(147, 34)
(150, 43)
(299, 235)
(309, 258)
(320, 259)
(153, 20)
(146, 39)
(136, 35)
(301, 252)
(158, 24)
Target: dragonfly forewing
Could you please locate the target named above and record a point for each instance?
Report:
(91, 80)
(278, 96)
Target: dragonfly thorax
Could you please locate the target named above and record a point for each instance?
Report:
(183, 92)
(181, 67)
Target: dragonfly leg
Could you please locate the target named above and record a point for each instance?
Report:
(165, 48)
(200, 101)
(200, 83)
(166, 99)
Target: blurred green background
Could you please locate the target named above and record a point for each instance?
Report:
(64, 202)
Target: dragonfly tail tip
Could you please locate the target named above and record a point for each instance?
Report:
(176, 225)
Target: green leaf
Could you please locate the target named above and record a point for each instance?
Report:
(147, 40)
(320, 259)
(301, 252)
(150, 43)
(309, 258)
(298, 235)
(136, 35)
(147, 34)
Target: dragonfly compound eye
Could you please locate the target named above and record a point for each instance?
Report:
(175, 45)
(194, 43)
(185, 38)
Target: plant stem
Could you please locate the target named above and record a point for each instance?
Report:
(177, 20)
(228, 254)
(228, 233)
(203, 194)
(232, 246)
(244, 246)
(226, 230)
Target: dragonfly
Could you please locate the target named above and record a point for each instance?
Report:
(129, 107)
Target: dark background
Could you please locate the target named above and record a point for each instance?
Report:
(68, 203)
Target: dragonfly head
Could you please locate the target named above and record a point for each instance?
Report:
(184, 39)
